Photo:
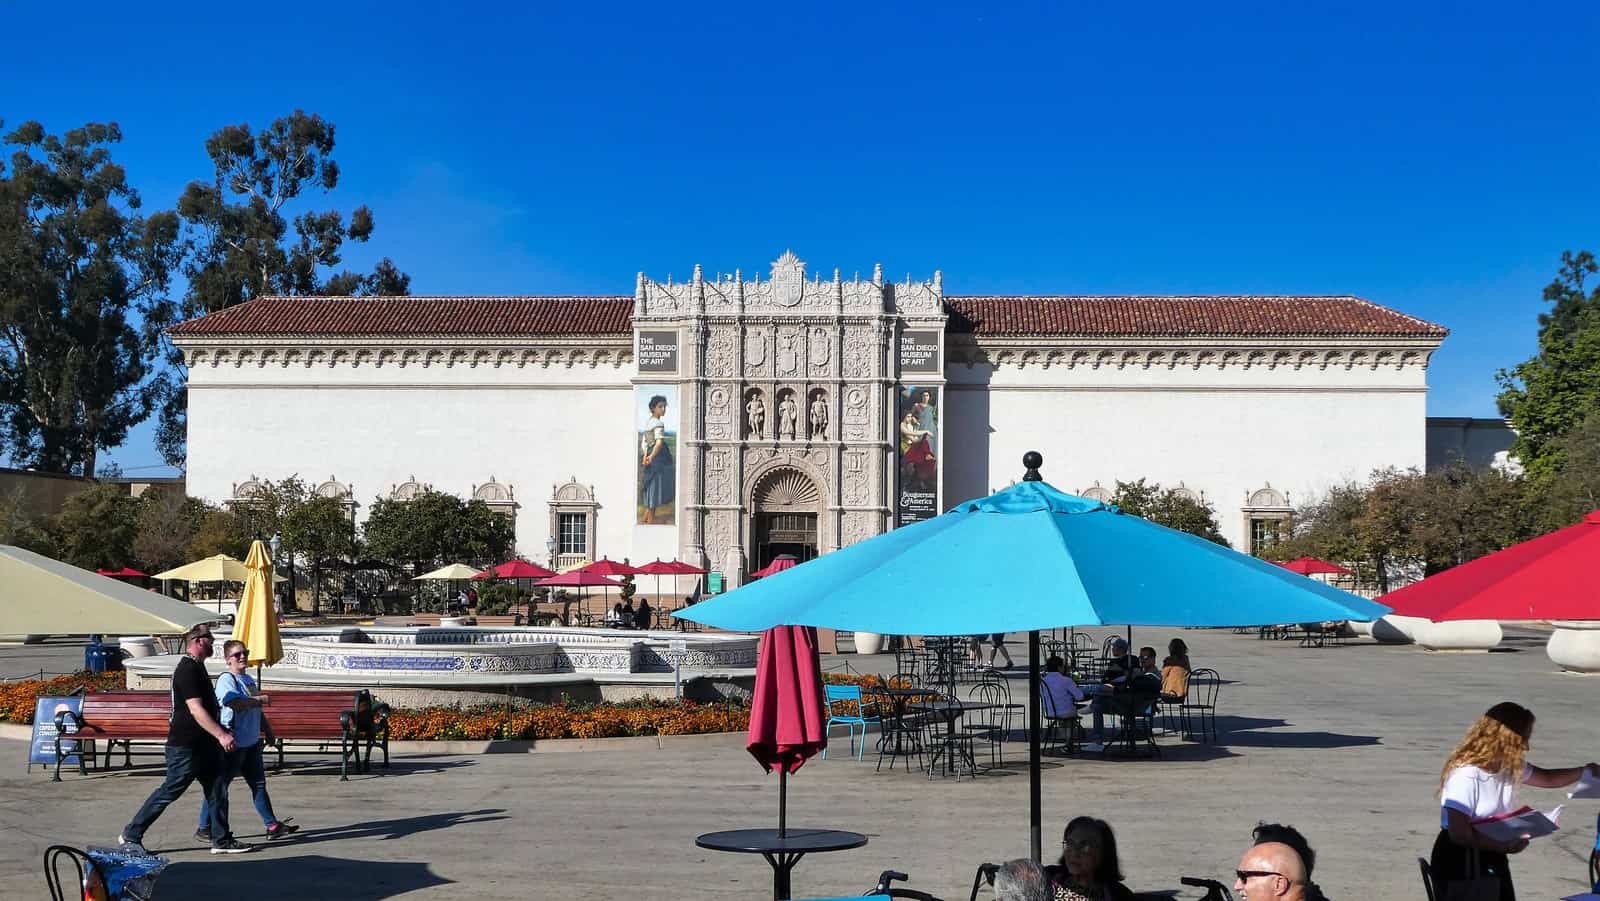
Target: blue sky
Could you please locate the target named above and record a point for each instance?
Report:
(1434, 157)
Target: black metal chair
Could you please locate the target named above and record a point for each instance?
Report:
(86, 883)
(992, 725)
(950, 746)
(1201, 702)
(900, 734)
(1134, 709)
(1427, 877)
(1063, 726)
(1594, 858)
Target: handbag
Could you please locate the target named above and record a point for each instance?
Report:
(1478, 886)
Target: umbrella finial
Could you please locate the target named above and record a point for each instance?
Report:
(1032, 460)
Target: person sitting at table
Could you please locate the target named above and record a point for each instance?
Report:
(1063, 692)
(627, 613)
(1088, 869)
(1175, 671)
(1120, 667)
(614, 616)
(1021, 880)
(641, 617)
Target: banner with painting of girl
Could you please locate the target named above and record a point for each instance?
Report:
(918, 453)
(656, 421)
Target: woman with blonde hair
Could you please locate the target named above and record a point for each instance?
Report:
(1479, 782)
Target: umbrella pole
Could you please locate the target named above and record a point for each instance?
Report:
(1035, 802)
(783, 802)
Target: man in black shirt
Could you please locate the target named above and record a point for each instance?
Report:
(196, 742)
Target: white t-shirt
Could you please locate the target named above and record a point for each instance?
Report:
(1477, 794)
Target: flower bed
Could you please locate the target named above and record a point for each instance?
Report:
(17, 698)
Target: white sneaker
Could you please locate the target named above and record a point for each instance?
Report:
(133, 845)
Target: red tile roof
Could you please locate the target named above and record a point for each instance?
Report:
(1183, 316)
(418, 316)
(1131, 317)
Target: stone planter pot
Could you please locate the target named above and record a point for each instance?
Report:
(452, 621)
(1360, 629)
(1396, 629)
(868, 642)
(1575, 646)
(140, 646)
(1459, 635)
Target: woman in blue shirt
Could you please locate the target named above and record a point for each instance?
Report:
(241, 715)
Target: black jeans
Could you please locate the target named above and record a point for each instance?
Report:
(185, 764)
(1451, 862)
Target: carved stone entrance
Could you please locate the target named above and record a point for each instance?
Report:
(784, 508)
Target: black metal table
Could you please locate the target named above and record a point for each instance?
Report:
(950, 711)
(782, 853)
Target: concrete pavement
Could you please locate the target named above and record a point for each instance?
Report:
(1344, 742)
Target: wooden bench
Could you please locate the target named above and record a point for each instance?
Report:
(511, 619)
(124, 717)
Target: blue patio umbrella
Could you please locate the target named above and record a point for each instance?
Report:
(1028, 558)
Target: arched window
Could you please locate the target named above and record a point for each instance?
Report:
(1266, 513)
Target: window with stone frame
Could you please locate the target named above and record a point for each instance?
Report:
(1266, 514)
(574, 534)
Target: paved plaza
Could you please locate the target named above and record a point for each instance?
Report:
(1344, 742)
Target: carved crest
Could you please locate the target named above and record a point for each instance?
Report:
(788, 279)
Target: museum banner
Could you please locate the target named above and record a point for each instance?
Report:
(918, 455)
(658, 352)
(656, 423)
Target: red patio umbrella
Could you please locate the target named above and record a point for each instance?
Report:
(127, 572)
(578, 578)
(1554, 576)
(1311, 566)
(517, 569)
(788, 714)
(778, 565)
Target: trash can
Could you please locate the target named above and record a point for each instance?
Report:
(94, 659)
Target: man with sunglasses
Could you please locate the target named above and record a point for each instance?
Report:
(1277, 866)
(196, 743)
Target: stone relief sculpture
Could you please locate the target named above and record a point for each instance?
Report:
(819, 350)
(755, 410)
(788, 415)
(819, 415)
(719, 353)
(788, 354)
(755, 350)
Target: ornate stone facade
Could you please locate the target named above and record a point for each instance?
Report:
(789, 412)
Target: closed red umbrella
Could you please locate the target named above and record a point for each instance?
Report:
(1554, 576)
(788, 714)
(778, 565)
(1309, 566)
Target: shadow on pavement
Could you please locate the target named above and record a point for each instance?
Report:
(391, 829)
(311, 876)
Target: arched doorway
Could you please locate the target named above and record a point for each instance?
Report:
(784, 505)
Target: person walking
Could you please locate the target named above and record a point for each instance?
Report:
(241, 704)
(997, 645)
(196, 743)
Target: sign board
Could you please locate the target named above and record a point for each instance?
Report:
(713, 583)
(678, 646)
(42, 749)
(658, 351)
(919, 351)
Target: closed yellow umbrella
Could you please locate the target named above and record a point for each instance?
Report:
(256, 623)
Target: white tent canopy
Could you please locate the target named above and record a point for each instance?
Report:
(41, 596)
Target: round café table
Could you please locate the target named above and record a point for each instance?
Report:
(782, 853)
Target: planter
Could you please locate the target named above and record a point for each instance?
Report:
(141, 646)
(452, 621)
(1575, 646)
(1361, 629)
(1396, 629)
(1458, 635)
(868, 642)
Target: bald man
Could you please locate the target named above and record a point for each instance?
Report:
(1269, 871)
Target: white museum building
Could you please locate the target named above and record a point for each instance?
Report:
(723, 420)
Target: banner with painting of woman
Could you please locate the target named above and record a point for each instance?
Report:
(656, 420)
(918, 453)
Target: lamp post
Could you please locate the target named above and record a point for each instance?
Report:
(274, 544)
(550, 551)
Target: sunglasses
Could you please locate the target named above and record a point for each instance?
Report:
(1247, 875)
(203, 638)
(240, 655)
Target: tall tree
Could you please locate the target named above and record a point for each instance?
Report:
(1552, 392)
(1574, 489)
(83, 281)
(167, 524)
(96, 527)
(247, 242)
(320, 528)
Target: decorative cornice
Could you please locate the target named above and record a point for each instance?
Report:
(1278, 354)
(594, 353)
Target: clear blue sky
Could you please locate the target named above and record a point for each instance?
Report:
(1433, 157)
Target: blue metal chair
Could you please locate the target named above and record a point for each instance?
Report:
(839, 698)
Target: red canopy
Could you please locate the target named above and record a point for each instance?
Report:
(517, 569)
(127, 572)
(1308, 566)
(605, 567)
(686, 569)
(788, 716)
(778, 565)
(659, 568)
(1554, 576)
(579, 579)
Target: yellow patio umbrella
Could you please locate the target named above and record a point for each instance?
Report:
(256, 623)
(451, 573)
(220, 568)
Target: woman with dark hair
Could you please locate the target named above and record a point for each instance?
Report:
(658, 486)
(1479, 782)
(1088, 869)
(1175, 671)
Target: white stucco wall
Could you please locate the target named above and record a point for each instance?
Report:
(453, 428)
(1224, 433)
